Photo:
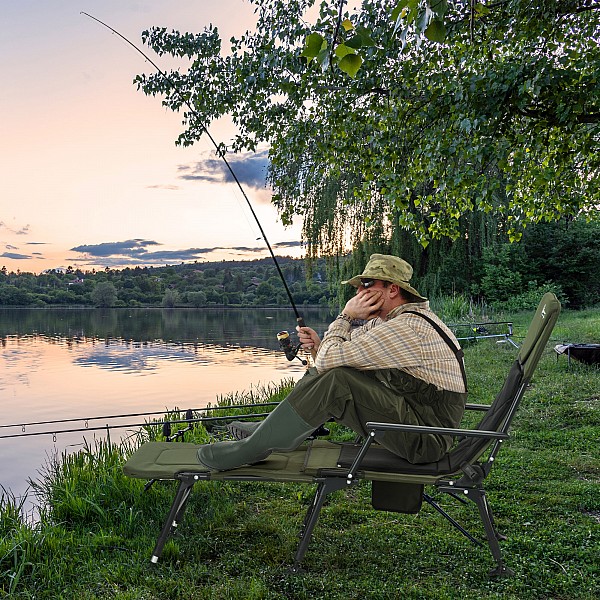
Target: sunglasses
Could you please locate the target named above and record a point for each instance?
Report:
(367, 283)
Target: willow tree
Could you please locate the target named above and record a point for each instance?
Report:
(404, 116)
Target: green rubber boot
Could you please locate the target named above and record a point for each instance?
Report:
(282, 430)
(240, 430)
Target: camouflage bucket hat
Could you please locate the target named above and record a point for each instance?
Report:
(387, 268)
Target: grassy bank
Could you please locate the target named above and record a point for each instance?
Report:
(97, 528)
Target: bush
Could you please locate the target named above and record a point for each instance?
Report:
(104, 294)
(529, 299)
(196, 299)
(501, 279)
(170, 298)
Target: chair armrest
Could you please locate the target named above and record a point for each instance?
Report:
(480, 433)
(469, 406)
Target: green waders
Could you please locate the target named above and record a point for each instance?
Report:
(355, 397)
(352, 398)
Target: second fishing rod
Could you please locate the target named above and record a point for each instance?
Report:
(290, 350)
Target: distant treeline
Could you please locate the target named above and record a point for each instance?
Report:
(239, 283)
(559, 257)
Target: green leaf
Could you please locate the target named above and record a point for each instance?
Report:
(315, 42)
(439, 7)
(413, 11)
(351, 64)
(347, 25)
(343, 50)
(355, 42)
(436, 31)
(481, 9)
(323, 58)
(365, 36)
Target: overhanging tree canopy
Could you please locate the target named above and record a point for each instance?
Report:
(503, 117)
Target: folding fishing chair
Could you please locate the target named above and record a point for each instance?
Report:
(397, 485)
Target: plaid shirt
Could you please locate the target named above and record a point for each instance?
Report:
(401, 341)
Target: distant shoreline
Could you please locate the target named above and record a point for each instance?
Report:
(155, 307)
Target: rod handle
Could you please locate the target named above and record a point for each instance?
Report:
(301, 323)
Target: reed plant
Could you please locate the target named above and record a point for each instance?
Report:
(97, 527)
(458, 308)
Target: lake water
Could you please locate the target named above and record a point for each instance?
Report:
(80, 364)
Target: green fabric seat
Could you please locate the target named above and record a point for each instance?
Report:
(165, 460)
(395, 482)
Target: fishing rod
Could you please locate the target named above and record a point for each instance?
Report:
(108, 427)
(166, 424)
(290, 351)
(128, 415)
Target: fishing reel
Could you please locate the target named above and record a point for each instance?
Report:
(290, 351)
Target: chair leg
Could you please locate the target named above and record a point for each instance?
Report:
(324, 488)
(478, 496)
(186, 484)
(500, 537)
(450, 519)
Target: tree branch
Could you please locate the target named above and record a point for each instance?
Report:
(581, 9)
(549, 116)
(335, 33)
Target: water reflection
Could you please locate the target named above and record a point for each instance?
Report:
(62, 364)
(119, 356)
(256, 327)
(146, 357)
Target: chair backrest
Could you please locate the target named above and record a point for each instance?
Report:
(538, 334)
(499, 416)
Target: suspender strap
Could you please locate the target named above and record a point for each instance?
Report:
(457, 351)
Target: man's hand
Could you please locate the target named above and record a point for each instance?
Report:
(309, 338)
(365, 305)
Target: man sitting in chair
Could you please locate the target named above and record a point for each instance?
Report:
(403, 365)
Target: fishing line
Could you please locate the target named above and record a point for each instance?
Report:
(234, 199)
(220, 153)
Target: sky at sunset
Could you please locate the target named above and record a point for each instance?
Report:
(90, 175)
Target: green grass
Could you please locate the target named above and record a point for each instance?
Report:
(97, 528)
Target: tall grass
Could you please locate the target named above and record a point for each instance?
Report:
(13, 530)
(214, 417)
(459, 307)
(97, 527)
